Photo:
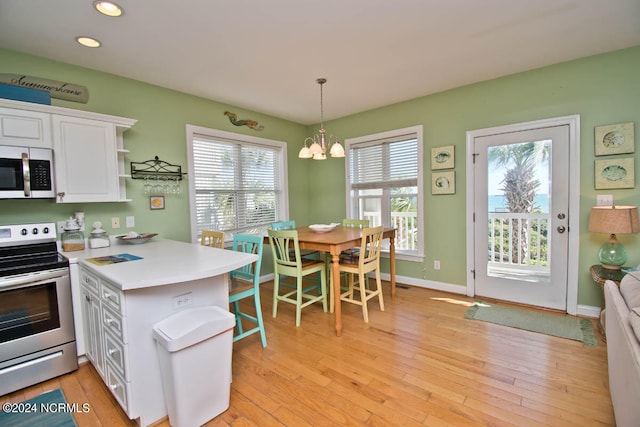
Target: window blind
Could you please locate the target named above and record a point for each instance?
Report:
(237, 184)
(384, 163)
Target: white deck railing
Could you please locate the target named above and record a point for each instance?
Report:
(516, 240)
(405, 225)
(503, 253)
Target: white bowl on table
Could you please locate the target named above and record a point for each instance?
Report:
(322, 228)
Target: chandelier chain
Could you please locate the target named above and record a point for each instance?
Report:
(321, 105)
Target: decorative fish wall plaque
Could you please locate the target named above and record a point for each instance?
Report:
(249, 123)
(60, 90)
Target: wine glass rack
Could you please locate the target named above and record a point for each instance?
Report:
(156, 169)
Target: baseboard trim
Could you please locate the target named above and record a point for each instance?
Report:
(582, 310)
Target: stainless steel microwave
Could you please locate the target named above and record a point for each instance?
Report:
(26, 172)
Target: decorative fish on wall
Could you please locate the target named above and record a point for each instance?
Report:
(249, 123)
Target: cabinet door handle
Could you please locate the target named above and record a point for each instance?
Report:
(111, 351)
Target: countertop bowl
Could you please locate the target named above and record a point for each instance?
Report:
(136, 240)
(322, 228)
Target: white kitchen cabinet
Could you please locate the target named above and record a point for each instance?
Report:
(103, 323)
(91, 319)
(88, 148)
(86, 160)
(25, 128)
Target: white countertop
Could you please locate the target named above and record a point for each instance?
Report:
(163, 262)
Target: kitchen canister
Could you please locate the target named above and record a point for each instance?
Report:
(73, 237)
(98, 237)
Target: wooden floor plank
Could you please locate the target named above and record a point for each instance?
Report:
(420, 362)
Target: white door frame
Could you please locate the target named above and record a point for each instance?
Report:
(573, 122)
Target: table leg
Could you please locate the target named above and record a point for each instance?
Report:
(335, 273)
(392, 265)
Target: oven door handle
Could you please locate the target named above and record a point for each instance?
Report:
(28, 280)
(26, 175)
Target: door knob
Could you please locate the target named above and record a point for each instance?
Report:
(561, 229)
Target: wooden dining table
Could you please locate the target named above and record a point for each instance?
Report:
(334, 242)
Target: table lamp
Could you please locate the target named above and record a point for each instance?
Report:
(613, 220)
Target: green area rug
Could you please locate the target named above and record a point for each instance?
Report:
(49, 409)
(573, 328)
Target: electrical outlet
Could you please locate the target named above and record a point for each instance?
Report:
(115, 222)
(60, 226)
(436, 264)
(131, 221)
(182, 300)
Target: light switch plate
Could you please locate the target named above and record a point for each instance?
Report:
(604, 200)
(130, 221)
(115, 222)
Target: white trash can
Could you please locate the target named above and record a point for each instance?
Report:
(194, 349)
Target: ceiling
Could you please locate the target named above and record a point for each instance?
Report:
(265, 56)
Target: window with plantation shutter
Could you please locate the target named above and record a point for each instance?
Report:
(384, 185)
(237, 182)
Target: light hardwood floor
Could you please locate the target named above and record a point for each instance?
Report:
(418, 363)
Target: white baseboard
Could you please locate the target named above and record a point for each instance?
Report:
(427, 284)
(583, 310)
(588, 311)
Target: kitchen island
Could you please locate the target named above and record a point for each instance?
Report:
(120, 301)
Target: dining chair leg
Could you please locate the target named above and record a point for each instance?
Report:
(352, 283)
(363, 295)
(263, 336)
(236, 311)
(299, 301)
(379, 288)
(276, 291)
(323, 289)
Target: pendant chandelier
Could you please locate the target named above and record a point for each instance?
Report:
(318, 143)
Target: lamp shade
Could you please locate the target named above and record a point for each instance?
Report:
(305, 153)
(614, 219)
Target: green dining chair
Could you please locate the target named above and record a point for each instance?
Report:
(290, 225)
(245, 283)
(305, 253)
(290, 263)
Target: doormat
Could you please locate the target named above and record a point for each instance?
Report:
(49, 409)
(573, 328)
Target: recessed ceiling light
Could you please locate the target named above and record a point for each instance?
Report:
(88, 41)
(108, 8)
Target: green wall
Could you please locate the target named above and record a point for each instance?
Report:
(603, 89)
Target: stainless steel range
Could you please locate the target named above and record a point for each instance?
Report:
(37, 339)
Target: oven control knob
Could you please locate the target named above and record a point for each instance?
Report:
(34, 231)
(45, 230)
(24, 232)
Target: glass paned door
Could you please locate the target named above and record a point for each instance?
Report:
(521, 216)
